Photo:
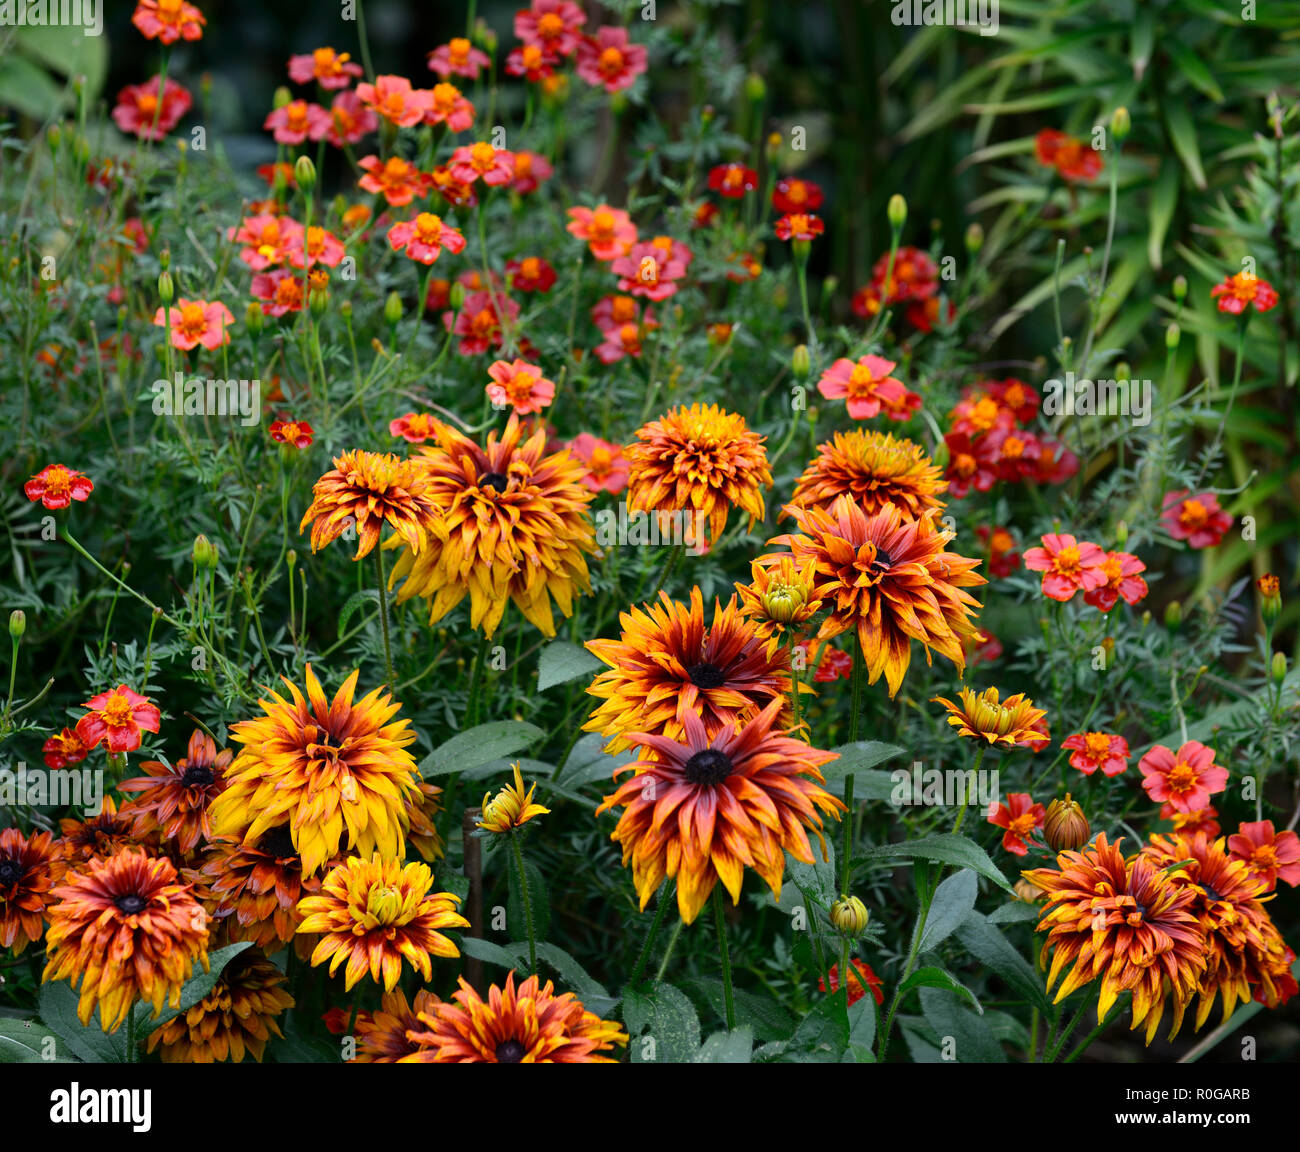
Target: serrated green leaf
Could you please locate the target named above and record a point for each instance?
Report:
(859, 759)
(561, 662)
(480, 745)
(672, 1025)
(353, 604)
(1014, 912)
(973, 1039)
(58, 1009)
(953, 901)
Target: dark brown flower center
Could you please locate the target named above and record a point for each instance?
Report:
(10, 871)
(709, 767)
(278, 843)
(131, 903)
(883, 561)
(500, 482)
(197, 776)
(510, 1052)
(706, 675)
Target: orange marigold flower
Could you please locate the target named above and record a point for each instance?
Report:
(1019, 817)
(175, 799)
(510, 524)
(610, 60)
(57, 486)
(425, 237)
(875, 469)
(1272, 856)
(458, 57)
(1122, 582)
(64, 749)
(393, 98)
(292, 433)
(332, 70)
(700, 459)
(374, 914)
(667, 665)
(1068, 565)
(981, 716)
(519, 386)
(1242, 289)
(397, 180)
(607, 467)
(530, 1025)
(890, 579)
(415, 427)
(799, 226)
(117, 718)
(1186, 779)
(531, 274)
(510, 808)
(1071, 157)
(384, 1036)
(609, 232)
(235, 1019)
(793, 195)
(365, 491)
(196, 322)
(1242, 944)
(705, 807)
(26, 877)
(1093, 750)
(483, 162)
(866, 386)
(168, 20)
(338, 772)
(1125, 923)
(1202, 820)
(732, 180)
(1197, 519)
(448, 106)
(126, 930)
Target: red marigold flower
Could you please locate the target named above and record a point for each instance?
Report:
(1186, 779)
(64, 749)
(1056, 463)
(799, 226)
(168, 20)
(279, 290)
(448, 106)
(1270, 856)
(552, 25)
(834, 665)
(609, 60)
(1093, 750)
(915, 276)
(607, 467)
(793, 195)
(350, 120)
(861, 977)
(1020, 816)
(332, 70)
(732, 180)
(531, 168)
(1197, 519)
(1122, 580)
(415, 427)
(472, 162)
(265, 239)
(393, 98)
(197, 322)
(866, 385)
(646, 271)
(1071, 157)
(1015, 396)
(1202, 820)
(1244, 288)
(532, 62)
(520, 386)
(612, 312)
(457, 194)
(609, 232)
(458, 57)
(117, 718)
(982, 647)
(977, 413)
(923, 315)
(531, 274)
(141, 111)
(425, 237)
(866, 302)
(298, 121)
(1068, 565)
(1004, 559)
(56, 486)
(970, 465)
(296, 433)
(311, 246)
(397, 180)
(477, 322)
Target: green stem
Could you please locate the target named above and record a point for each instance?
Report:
(383, 614)
(527, 902)
(668, 951)
(719, 918)
(476, 677)
(662, 904)
(855, 698)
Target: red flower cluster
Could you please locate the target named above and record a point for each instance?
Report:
(913, 281)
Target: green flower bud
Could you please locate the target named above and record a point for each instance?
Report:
(849, 916)
(166, 289)
(17, 623)
(801, 362)
(318, 299)
(165, 259)
(205, 552)
(1172, 335)
(254, 318)
(456, 296)
(393, 308)
(1279, 667)
(304, 171)
(897, 212)
(755, 88)
(974, 238)
(1121, 533)
(1120, 124)
(1174, 616)
(281, 98)
(1270, 597)
(1180, 288)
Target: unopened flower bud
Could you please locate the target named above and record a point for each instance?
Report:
(829, 285)
(17, 623)
(1121, 533)
(281, 98)
(755, 88)
(1172, 335)
(974, 238)
(393, 308)
(1026, 892)
(205, 552)
(165, 259)
(1270, 597)
(801, 362)
(707, 114)
(1174, 616)
(849, 916)
(456, 296)
(291, 559)
(1180, 288)
(304, 171)
(1065, 827)
(54, 135)
(618, 103)
(345, 309)
(774, 142)
(1279, 667)
(783, 603)
(166, 289)
(485, 35)
(1120, 124)
(897, 211)
(318, 299)
(253, 318)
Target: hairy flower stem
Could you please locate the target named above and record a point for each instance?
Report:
(382, 582)
(668, 951)
(724, 955)
(855, 708)
(662, 903)
(476, 677)
(527, 902)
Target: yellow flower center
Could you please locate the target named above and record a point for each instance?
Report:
(623, 309)
(1183, 778)
(796, 192)
(193, 321)
(1096, 745)
(1264, 858)
(985, 414)
(1194, 514)
(117, 713)
(147, 103)
(297, 116)
(532, 57)
(428, 228)
(1023, 825)
(601, 229)
(458, 50)
(549, 26)
(530, 268)
(1067, 560)
(445, 97)
(384, 903)
(611, 62)
(482, 157)
(1013, 448)
(861, 381)
(58, 480)
(602, 461)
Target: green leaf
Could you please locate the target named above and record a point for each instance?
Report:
(1014, 912)
(990, 947)
(1192, 67)
(823, 1034)
(561, 662)
(973, 1039)
(947, 848)
(353, 604)
(932, 977)
(480, 745)
(953, 901)
(1182, 133)
(58, 1008)
(1139, 50)
(588, 762)
(862, 1023)
(192, 991)
(25, 1041)
(859, 758)
(27, 88)
(1160, 212)
(488, 952)
(68, 51)
(673, 1026)
(816, 879)
(727, 1047)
